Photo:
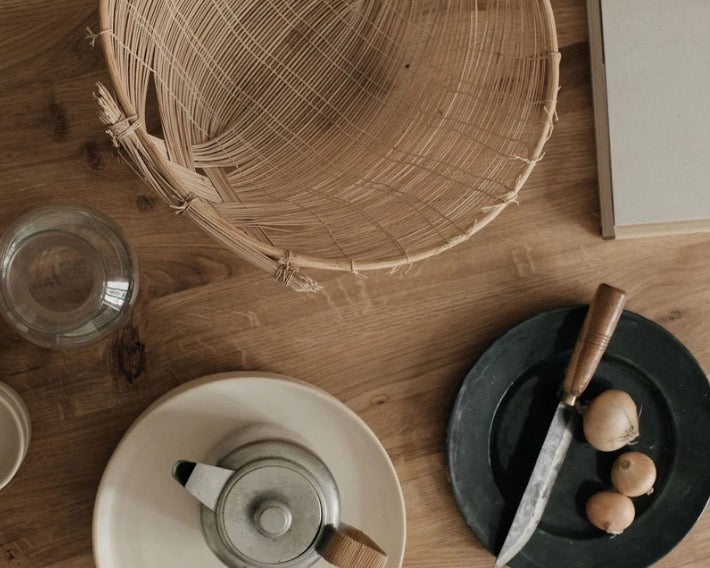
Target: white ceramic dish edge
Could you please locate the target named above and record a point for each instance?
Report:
(195, 383)
(14, 410)
(21, 408)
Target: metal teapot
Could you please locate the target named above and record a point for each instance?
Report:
(271, 502)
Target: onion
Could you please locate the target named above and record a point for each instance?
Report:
(611, 421)
(633, 474)
(610, 511)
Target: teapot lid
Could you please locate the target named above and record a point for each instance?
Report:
(275, 508)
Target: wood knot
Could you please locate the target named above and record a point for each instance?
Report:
(129, 354)
(379, 400)
(90, 151)
(145, 203)
(59, 123)
(671, 316)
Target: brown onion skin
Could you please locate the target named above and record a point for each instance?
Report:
(611, 421)
(633, 474)
(610, 511)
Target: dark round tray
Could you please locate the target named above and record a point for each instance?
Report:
(501, 415)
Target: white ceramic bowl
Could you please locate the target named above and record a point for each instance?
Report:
(15, 433)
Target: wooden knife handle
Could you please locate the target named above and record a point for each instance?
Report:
(602, 317)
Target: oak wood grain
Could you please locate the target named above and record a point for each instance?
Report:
(395, 348)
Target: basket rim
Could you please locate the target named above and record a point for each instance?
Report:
(309, 261)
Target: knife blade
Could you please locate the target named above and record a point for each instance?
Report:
(599, 324)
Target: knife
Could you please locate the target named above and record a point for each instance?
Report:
(599, 324)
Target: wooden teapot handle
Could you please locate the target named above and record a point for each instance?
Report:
(348, 547)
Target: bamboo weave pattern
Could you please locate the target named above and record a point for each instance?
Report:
(341, 134)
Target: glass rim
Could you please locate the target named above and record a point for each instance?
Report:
(62, 217)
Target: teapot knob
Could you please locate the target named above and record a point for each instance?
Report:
(272, 518)
(202, 481)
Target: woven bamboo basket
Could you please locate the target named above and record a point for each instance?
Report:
(334, 134)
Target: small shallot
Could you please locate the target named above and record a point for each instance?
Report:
(633, 474)
(610, 511)
(611, 421)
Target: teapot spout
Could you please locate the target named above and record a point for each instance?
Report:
(202, 481)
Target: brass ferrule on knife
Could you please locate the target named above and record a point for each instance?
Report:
(568, 399)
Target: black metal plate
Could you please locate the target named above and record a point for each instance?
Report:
(501, 415)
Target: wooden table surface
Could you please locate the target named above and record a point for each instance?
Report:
(393, 347)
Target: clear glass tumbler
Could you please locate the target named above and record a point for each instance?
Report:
(68, 276)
